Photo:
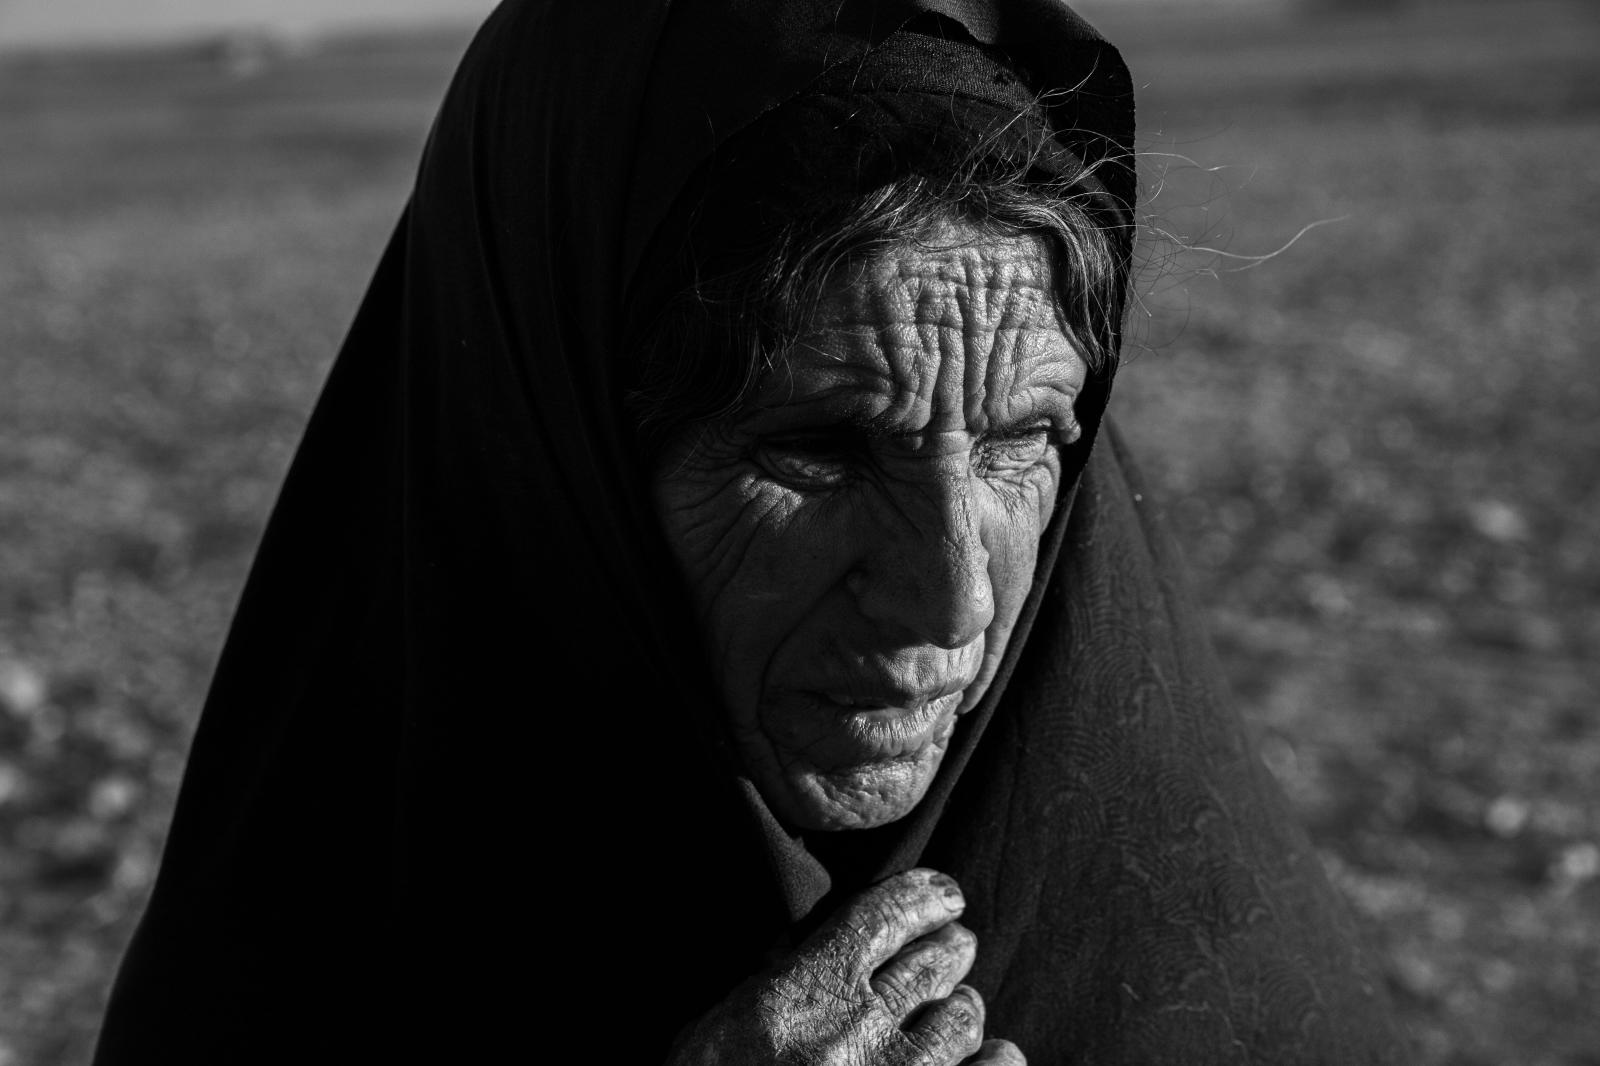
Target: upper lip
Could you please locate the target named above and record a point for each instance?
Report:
(876, 694)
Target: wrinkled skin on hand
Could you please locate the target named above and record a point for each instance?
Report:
(879, 984)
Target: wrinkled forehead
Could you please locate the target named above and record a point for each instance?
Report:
(955, 277)
(960, 326)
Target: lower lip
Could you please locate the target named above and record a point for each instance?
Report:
(879, 734)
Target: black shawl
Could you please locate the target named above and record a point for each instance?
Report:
(454, 793)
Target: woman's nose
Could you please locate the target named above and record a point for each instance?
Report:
(927, 578)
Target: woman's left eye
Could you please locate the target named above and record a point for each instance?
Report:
(1014, 451)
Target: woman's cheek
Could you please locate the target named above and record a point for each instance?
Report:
(774, 548)
(741, 541)
(1027, 501)
(1024, 508)
(1043, 483)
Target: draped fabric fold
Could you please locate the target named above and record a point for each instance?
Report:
(458, 789)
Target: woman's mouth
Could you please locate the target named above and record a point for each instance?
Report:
(849, 729)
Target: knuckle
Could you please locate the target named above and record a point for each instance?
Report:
(831, 962)
(940, 967)
(952, 1025)
(917, 876)
(893, 911)
(967, 1014)
(924, 981)
(825, 984)
(962, 1018)
(906, 891)
(911, 982)
(924, 1044)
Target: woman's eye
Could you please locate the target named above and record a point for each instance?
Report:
(807, 462)
(1015, 451)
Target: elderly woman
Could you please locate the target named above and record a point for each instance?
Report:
(709, 620)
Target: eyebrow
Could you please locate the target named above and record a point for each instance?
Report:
(844, 395)
(880, 426)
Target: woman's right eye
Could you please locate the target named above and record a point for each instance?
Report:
(817, 461)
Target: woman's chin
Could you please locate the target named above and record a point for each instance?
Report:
(854, 797)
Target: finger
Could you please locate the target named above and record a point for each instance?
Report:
(874, 925)
(925, 969)
(998, 1053)
(947, 1030)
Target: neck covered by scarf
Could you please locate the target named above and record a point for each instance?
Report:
(459, 778)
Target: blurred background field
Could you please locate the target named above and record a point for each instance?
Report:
(1380, 448)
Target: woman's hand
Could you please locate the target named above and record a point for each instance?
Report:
(877, 985)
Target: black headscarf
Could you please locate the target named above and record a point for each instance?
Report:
(456, 791)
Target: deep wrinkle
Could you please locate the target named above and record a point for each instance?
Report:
(859, 537)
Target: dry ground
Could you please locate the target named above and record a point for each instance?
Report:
(1379, 448)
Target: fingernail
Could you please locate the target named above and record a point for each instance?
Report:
(949, 891)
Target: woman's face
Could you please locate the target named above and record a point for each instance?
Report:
(859, 537)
